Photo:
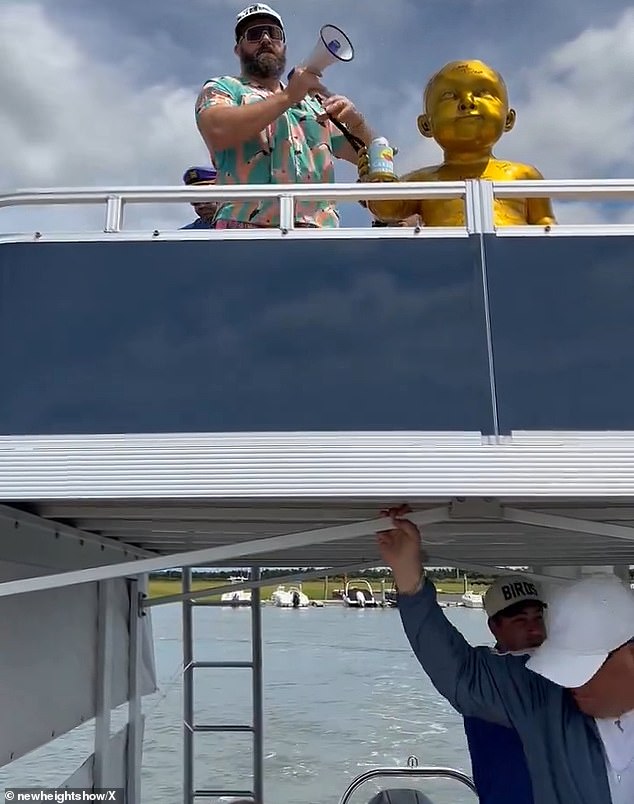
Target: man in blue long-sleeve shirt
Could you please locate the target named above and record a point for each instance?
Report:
(571, 702)
(515, 607)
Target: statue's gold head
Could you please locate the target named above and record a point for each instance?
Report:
(466, 106)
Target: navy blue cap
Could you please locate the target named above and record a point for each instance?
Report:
(196, 174)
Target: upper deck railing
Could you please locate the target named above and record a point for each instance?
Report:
(479, 197)
(459, 328)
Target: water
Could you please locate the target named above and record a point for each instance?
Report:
(342, 693)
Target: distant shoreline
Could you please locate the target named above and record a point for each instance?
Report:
(316, 590)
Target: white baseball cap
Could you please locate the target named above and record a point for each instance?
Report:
(508, 590)
(585, 621)
(257, 10)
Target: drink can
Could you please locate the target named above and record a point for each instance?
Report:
(380, 159)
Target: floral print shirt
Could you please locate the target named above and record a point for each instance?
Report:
(296, 148)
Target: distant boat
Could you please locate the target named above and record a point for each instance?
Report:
(241, 597)
(291, 598)
(359, 594)
(471, 600)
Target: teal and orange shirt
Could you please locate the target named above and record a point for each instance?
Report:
(296, 149)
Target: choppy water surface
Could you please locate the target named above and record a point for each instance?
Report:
(342, 693)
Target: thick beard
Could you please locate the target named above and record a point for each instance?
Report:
(264, 64)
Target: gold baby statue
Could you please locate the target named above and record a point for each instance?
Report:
(466, 111)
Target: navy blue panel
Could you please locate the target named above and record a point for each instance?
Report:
(562, 317)
(242, 335)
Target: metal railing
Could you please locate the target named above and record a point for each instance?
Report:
(478, 197)
(117, 198)
(423, 772)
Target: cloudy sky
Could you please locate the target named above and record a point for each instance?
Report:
(102, 93)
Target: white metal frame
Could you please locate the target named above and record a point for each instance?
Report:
(102, 770)
(30, 539)
(138, 593)
(210, 555)
(476, 512)
(262, 495)
(116, 199)
(478, 196)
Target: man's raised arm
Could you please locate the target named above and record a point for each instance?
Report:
(473, 680)
(223, 122)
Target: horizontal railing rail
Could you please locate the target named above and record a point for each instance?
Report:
(356, 191)
(116, 198)
(478, 196)
(570, 189)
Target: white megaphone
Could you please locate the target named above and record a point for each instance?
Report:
(332, 46)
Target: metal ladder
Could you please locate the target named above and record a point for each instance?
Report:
(190, 727)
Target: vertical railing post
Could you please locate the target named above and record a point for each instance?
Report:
(114, 214)
(104, 683)
(258, 709)
(287, 213)
(188, 691)
(135, 715)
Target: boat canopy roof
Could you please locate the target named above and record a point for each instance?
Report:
(314, 499)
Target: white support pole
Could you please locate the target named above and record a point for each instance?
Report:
(226, 552)
(135, 715)
(104, 683)
(188, 689)
(257, 691)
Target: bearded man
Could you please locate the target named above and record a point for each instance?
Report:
(259, 130)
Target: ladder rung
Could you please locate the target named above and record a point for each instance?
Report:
(217, 793)
(225, 727)
(222, 664)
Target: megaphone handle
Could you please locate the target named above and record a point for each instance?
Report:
(356, 143)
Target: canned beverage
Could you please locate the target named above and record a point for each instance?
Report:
(380, 159)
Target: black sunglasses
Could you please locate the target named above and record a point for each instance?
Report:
(256, 32)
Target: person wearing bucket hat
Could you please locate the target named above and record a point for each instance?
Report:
(259, 130)
(571, 701)
(206, 211)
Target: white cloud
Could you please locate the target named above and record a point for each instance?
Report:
(69, 120)
(578, 119)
